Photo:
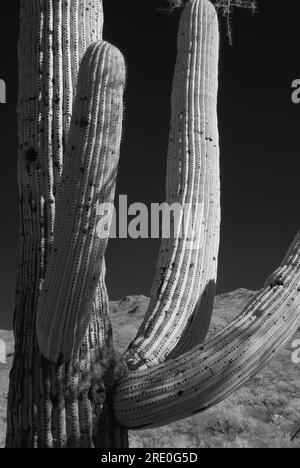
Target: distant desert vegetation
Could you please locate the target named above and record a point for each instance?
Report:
(264, 413)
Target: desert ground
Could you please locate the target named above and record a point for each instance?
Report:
(264, 413)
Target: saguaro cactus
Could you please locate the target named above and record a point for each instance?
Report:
(63, 405)
(69, 387)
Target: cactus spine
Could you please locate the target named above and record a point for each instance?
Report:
(183, 290)
(167, 373)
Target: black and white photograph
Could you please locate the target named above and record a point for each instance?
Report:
(150, 230)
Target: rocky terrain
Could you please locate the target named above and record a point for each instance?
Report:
(265, 413)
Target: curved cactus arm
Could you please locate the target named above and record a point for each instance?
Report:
(183, 290)
(88, 182)
(208, 373)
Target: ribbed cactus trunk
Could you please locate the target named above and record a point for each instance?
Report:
(63, 405)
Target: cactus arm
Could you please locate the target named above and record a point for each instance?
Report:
(183, 290)
(209, 372)
(198, 323)
(88, 181)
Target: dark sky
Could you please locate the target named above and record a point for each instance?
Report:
(259, 131)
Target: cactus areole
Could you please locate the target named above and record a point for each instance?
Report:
(68, 385)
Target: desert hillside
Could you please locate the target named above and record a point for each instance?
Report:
(264, 413)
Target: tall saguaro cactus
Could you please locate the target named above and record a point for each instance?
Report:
(68, 386)
(58, 405)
